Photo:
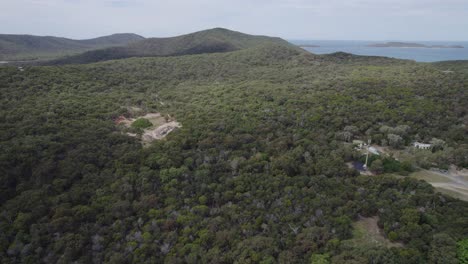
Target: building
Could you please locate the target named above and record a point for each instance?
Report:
(359, 144)
(419, 145)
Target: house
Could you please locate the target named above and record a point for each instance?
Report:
(419, 145)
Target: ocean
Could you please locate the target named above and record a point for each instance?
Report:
(417, 54)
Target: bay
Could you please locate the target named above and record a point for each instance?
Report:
(362, 48)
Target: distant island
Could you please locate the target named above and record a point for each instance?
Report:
(308, 46)
(412, 45)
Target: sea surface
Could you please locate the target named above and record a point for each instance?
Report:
(361, 48)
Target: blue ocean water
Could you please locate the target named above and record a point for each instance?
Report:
(417, 54)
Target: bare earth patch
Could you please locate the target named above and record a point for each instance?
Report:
(161, 126)
(453, 183)
(159, 132)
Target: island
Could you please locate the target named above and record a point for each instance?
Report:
(308, 46)
(412, 45)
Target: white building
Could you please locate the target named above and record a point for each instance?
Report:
(419, 145)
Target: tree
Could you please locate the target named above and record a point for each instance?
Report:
(141, 123)
(462, 251)
(395, 140)
(437, 144)
(443, 250)
(377, 166)
(320, 259)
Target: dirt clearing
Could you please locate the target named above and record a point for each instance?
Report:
(161, 126)
(160, 131)
(452, 182)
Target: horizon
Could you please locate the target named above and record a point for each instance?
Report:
(287, 39)
(409, 20)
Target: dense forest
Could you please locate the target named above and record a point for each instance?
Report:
(214, 40)
(256, 174)
(29, 47)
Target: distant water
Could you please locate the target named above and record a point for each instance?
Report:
(417, 54)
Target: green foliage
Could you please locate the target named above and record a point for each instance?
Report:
(387, 165)
(393, 236)
(27, 47)
(320, 259)
(443, 250)
(141, 123)
(377, 166)
(255, 174)
(462, 251)
(206, 41)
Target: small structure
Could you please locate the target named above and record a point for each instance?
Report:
(419, 145)
(359, 144)
(21, 69)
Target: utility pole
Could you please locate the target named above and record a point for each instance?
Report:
(367, 154)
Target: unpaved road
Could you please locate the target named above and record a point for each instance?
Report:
(453, 183)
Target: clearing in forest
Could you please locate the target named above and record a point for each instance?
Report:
(452, 182)
(367, 233)
(160, 127)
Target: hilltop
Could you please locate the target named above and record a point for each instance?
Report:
(206, 41)
(27, 47)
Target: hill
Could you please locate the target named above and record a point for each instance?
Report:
(256, 172)
(14, 47)
(207, 41)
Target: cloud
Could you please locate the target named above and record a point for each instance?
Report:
(325, 19)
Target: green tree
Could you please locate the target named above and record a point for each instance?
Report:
(462, 251)
(320, 259)
(443, 250)
(377, 166)
(141, 123)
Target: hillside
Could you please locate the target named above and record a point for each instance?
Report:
(207, 41)
(13, 47)
(255, 173)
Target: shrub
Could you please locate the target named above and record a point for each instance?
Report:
(141, 123)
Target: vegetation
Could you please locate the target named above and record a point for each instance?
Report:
(207, 41)
(463, 251)
(381, 165)
(142, 123)
(27, 47)
(256, 173)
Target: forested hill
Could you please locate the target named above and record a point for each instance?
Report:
(255, 174)
(28, 47)
(207, 41)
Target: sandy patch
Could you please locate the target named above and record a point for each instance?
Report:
(161, 126)
(159, 132)
(452, 182)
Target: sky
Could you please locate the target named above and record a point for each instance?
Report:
(290, 19)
